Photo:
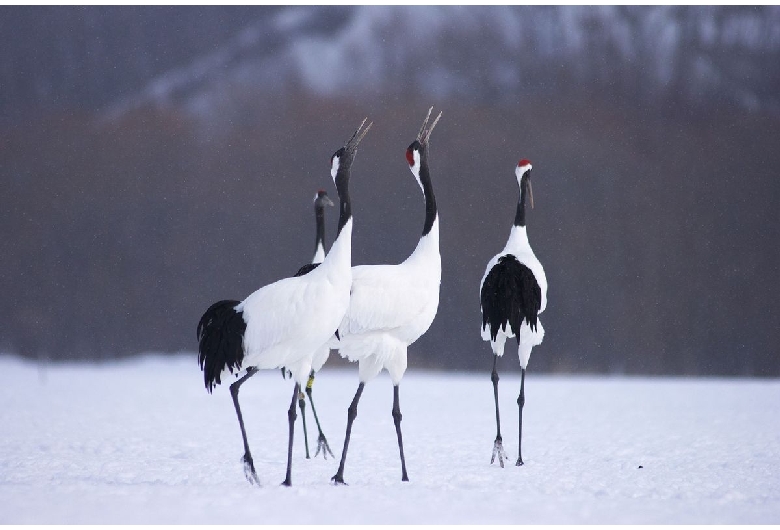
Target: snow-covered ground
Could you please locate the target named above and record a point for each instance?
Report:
(141, 441)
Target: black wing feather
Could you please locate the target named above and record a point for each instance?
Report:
(510, 294)
(220, 341)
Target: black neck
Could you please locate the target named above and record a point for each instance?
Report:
(520, 214)
(430, 198)
(345, 206)
(319, 214)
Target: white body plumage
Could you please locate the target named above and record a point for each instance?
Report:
(274, 314)
(390, 308)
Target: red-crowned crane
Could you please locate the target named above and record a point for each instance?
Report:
(391, 306)
(284, 323)
(513, 292)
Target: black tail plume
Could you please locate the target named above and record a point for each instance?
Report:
(220, 341)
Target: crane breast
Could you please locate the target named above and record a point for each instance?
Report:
(387, 298)
(298, 312)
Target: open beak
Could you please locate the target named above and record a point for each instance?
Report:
(425, 131)
(353, 142)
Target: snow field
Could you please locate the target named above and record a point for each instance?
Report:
(140, 441)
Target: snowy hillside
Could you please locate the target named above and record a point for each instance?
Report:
(707, 53)
(142, 442)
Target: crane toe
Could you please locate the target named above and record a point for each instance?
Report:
(249, 470)
(322, 445)
(498, 451)
(338, 480)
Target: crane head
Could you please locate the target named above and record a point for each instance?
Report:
(342, 159)
(322, 199)
(523, 173)
(419, 147)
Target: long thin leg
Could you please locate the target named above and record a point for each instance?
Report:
(302, 405)
(498, 446)
(291, 418)
(322, 442)
(520, 405)
(249, 465)
(397, 419)
(338, 478)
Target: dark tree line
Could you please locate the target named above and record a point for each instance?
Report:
(89, 57)
(86, 57)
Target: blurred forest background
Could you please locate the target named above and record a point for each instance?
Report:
(154, 160)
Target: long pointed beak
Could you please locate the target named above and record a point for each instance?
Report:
(358, 136)
(425, 131)
(530, 193)
(327, 202)
(425, 123)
